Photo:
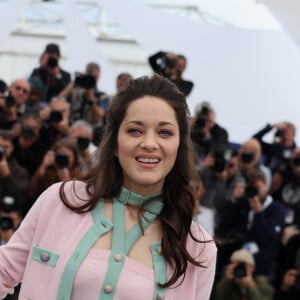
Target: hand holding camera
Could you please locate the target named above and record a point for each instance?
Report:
(85, 81)
(4, 168)
(62, 166)
(48, 161)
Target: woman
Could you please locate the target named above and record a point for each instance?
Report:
(126, 231)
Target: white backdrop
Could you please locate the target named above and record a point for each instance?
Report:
(249, 76)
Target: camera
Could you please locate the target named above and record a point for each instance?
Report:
(61, 160)
(2, 153)
(296, 161)
(55, 116)
(200, 121)
(240, 270)
(85, 81)
(6, 223)
(52, 63)
(27, 132)
(247, 157)
(10, 101)
(82, 142)
(251, 191)
(220, 162)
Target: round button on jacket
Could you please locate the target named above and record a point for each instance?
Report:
(44, 257)
(118, 257)
(159, 251)
(160, 296)
(108, 288)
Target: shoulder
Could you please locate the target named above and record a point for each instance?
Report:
(65, 74)
(204, 245)
(75, 192)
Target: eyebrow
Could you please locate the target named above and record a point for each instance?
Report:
(162, 123)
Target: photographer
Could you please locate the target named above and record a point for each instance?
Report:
(56, 120)
(29, 145)
(239, 281)
(254, 217)
(286, 187)
(82, 134)
(206, 133)
(280, 150)
(220, 174)
(250, 160)
(87, 102)
(288, 271)
(60, 163)
(13, 177)
(50, 74)
(171, 66)
(12, 103)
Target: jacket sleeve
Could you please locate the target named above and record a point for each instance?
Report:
(13, 255)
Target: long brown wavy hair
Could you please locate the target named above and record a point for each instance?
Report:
(106, 179)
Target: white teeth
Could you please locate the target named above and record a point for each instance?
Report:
(148, 160)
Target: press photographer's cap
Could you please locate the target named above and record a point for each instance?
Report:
(242, 255)
(203, 106)
(52, 48)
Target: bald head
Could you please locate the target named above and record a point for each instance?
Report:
(251, 146)
(20, 89)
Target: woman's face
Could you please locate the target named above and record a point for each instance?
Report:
(148, 141)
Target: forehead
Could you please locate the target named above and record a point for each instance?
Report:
(150, 108)
(22, 83)
(58, 104)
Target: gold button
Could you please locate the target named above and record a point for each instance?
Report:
(108, 289)
(117, 257)
(159, 249)
(160, 296)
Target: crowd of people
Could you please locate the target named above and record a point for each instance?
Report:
(247, 197)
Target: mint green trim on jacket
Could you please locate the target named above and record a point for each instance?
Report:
(87, 241)
(121, 245)
(44, 256)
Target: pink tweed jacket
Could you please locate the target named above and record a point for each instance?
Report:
(37, 254)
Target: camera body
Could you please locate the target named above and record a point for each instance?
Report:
(85, 81)
(240, 270)
(27, 132)
(55, 116)
(10, 101)
(247, 157)
(251, 191)
(61, 160)
(220, 162)
(6, 223)
(296, 161)
(52, 62)
(82, 142)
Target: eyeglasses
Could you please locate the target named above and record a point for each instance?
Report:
(19, 88)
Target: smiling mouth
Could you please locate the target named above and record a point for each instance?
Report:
(148, 160)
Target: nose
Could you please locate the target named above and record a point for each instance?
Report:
(149, 142)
